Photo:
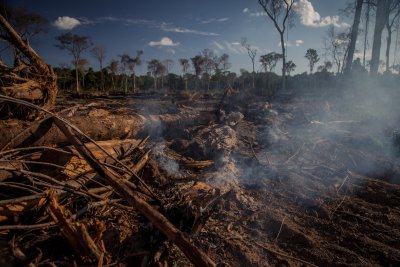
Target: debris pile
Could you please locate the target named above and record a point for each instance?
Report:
(87, 202)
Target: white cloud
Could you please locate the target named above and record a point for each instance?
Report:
(299, 42)
(169, 28)
(66, 23)
(222, 19)
(214, 20)
(235, 47)
(310, 17)
(165, 41)
(164, 26)
(254, 14)
(207, 21)
(218, 45)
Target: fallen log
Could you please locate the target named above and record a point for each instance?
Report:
(195, 255)
(44, 133)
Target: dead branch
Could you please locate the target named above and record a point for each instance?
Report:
(195, 255)
(76, 233)
(40, 88)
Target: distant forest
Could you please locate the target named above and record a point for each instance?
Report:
(208, 71)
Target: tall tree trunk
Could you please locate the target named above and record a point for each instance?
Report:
(77, 77)
(186, 84)
(134, 82)
(354, 34)
(254, 73)
(283, 60)
(126, 84)
(380, 21)
(396, 45)
(113, 81)
(388, 44)
(367, 14)
(101, 77)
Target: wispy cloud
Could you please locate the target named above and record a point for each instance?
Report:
(164, 42)
(218, 45)
(168, 27)
(310, 17)
(207, 21)
(231, 47)
(66, 23)
(222, 19)
(164, 26)
(299, 42)
(253, 14)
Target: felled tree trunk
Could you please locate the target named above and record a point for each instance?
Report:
(32, 81)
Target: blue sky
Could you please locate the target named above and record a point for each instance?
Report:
(182, 28)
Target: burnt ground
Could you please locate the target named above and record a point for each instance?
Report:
(313, 179)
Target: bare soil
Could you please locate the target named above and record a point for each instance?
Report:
(309, 186)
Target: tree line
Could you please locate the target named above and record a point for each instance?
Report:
(206, 70)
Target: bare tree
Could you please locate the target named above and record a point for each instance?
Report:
(99, 53)
(26, 23)
(224, 63)
(197, 62)
(269, 61)
(128, 66)
(382, 15)
(312, 57)
(185, 68)
(353, 35)
(279, 11)
(208, 64)
(113, 68)
(75, 45)
(155, 67)
(83, 64)
(168, 64)
(290, 66)
(366, 28)
(137, 61)
(325, 67)
(252, 52)
(125, 60)
(393, 17)
(336, 45)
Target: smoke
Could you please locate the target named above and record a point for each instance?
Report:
(164, 162)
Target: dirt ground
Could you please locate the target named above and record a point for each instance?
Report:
(308, 185)
(320, 191)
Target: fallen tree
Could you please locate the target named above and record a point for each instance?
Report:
(30, 79)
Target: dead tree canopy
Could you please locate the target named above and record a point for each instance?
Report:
(29, 79)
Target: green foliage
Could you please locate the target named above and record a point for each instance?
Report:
(312, 57)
